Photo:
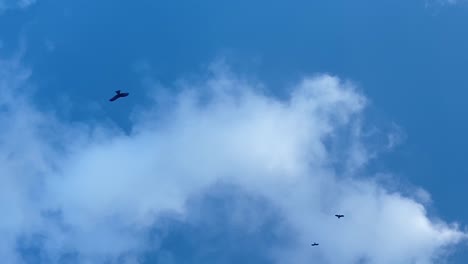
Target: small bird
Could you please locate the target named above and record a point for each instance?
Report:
(339, 216)
(118, 95)
(314, 244)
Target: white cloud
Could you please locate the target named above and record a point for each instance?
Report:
(109, 187)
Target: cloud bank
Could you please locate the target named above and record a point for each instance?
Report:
(277, 171)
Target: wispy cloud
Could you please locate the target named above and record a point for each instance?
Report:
(94, 193)
(438, 3)
(14, 4)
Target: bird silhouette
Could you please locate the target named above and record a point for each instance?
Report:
(118, 95)
(314, 244)
(339, 216)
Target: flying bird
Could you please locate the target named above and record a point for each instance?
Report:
(118, 95)
(314, 244)
(339, 216)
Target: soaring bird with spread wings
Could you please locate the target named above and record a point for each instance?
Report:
(118, 95)
(314, 244)
(339, 216)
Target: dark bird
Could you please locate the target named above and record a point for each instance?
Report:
(315, 244)
(339, 216)
(118, 95)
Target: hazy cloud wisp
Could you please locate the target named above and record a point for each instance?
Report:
(13, 4)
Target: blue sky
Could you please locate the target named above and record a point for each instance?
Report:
(386, 77)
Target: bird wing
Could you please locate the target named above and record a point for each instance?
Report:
(115, 97)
